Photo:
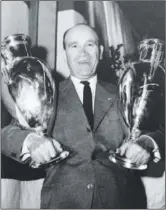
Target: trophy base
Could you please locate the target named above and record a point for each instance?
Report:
(55, 160)
(126, 163)
(67, 152)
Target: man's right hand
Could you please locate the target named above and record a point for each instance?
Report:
(40, 148)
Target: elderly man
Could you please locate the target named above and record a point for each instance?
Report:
(89, 122)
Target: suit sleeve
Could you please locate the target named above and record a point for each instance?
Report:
(12, 138)
(159, 135)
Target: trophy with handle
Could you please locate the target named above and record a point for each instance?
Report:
(32, 89)
(141, 92)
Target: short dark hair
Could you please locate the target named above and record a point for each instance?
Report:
(84, 24)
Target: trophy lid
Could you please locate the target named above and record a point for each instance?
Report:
(14, 47)
(153, 51)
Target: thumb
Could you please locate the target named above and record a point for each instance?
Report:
(57, 146)
(123, 148)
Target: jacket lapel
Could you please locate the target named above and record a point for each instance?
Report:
(103, 102)
(73, 105)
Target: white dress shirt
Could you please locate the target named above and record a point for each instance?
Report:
(80, 88)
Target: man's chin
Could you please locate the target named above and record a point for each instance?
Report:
(86, 76)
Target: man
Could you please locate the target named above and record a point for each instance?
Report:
(87, 179)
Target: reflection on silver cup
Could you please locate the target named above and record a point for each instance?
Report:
(13, 48)
(141, 93)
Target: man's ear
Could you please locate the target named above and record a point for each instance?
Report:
(64, 55)
(101, 52)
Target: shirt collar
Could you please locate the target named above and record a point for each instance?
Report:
(77, 81)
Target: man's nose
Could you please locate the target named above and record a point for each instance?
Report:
(83, 52)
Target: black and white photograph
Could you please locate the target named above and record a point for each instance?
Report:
(83, 104)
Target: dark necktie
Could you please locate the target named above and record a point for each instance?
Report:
(87, 102)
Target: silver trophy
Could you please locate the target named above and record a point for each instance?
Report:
(141, 92)
(32, 88)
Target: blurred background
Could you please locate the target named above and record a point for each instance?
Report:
(117, 22)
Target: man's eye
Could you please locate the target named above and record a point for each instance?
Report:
(90, 44)
(74, 46)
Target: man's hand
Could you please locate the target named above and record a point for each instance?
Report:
(41, 148)
(139, 152)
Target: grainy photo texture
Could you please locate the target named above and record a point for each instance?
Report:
(83, 104)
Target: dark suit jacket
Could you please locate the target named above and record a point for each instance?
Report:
(87, 179)
(67, 184)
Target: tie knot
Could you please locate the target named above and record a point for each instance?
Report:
(85, 83)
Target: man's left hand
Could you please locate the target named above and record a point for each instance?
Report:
(139, 152)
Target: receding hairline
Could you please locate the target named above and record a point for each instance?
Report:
(75, 26)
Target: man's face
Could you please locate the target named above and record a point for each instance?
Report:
(82, 52)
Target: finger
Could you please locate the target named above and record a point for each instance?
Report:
(133, 151)
(137, 158)
(122, 150)
(143, 159)
(37, 157)
(46, 155)
(52, 151)
(48, 150)
(137, 154)
(40, 154)
(57, 146)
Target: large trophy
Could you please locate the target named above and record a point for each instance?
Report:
(31, 88)
(141, 93)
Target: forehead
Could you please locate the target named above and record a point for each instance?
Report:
(80, 34)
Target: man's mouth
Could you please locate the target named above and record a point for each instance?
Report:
(83, 62)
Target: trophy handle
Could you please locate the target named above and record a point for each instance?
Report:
(124, 162)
